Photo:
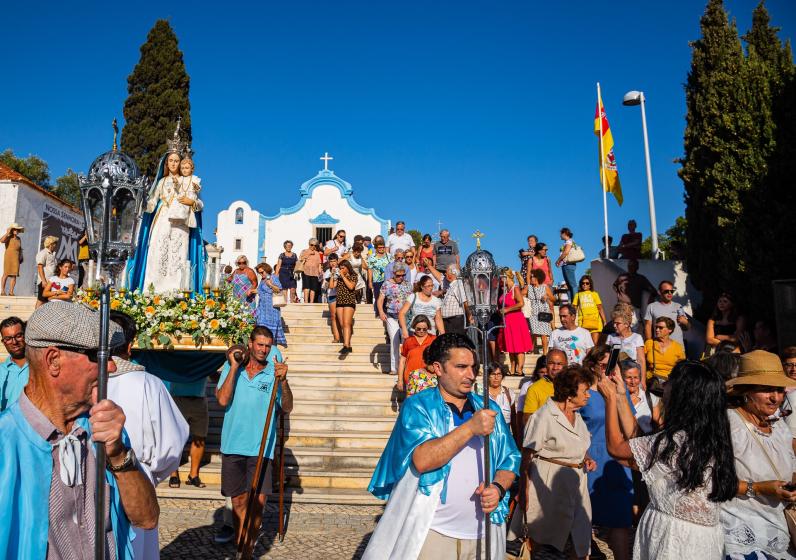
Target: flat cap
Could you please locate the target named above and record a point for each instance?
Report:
(64, 323)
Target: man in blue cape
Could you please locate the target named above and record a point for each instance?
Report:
(47, 463)
(432, 468)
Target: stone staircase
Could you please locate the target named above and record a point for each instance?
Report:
(344, 409)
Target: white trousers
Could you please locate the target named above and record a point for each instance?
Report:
(394, 334)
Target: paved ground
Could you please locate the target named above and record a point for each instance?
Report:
(330, 532)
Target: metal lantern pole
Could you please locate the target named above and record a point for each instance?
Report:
(102, 378)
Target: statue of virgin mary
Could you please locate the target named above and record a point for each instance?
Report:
(171, 228)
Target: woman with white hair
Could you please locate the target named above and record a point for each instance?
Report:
(392, 295)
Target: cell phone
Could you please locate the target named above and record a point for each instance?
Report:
(613, 358)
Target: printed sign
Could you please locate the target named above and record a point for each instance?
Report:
(64, 224)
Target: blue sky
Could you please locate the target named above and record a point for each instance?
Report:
(475, 114)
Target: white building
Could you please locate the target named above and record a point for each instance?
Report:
(326, 204)
(41, 213)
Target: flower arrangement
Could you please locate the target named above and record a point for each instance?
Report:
(163, 319)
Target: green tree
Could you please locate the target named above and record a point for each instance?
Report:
(67, 188)
(721, 157)
(417, 237)
(671, 242)
(770, 201)
(157, 91)
(32, 167)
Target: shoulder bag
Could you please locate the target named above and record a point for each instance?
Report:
(575, 254)
(790, 509)
(542, 316)
(299, 268)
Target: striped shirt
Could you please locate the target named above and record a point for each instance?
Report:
(454, 300)
(71, 527)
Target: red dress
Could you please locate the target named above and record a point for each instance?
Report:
(514, 337)
(423, 254)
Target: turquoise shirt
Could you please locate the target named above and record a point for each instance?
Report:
(25, 475)
(12, 380)
(244, 416)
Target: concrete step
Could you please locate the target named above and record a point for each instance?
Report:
(343, 496)
(333, 354)
(323, 348)
(345, 380)
(325, 337)
(324, 424)
(341, 366)
(370, 329)
(341, 408)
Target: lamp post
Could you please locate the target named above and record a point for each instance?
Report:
(481, 283)
(637, 98)
(112, 197)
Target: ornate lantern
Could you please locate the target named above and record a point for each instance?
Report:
(112, 199)
(481, 282)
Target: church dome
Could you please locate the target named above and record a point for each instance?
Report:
(119, 165)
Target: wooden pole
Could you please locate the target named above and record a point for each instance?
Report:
(281, 529)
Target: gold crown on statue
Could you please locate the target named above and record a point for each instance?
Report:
(176, 145)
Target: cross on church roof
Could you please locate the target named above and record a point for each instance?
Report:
(326, 157)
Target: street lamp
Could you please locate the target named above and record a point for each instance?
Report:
(637, 98)
(481, 278)
(112, 197)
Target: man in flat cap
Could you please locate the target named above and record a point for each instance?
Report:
(47, 463)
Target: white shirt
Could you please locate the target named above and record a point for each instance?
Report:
(339, 249)
(524, 386)
(157, 431)
(395, 242)
(643, 411)
(461, 516)
(574, 343)
(61, 284)
(628, 345)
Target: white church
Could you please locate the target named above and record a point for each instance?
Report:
(326, 204)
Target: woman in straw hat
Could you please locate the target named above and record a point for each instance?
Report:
(688, 466)
(754, 522)
(12, 257)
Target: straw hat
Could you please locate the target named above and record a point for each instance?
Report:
(17, 227)
(761, 368)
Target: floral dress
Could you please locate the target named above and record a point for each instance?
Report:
(267, 315)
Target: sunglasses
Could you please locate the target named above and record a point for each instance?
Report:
(399, 274)
(240, 263)
(667, 291)
(90, 353)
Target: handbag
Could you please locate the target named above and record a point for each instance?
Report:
(542, 316)
(279, 300)
(790, 509)
(299, 268)
(410, 314)
(575, 254)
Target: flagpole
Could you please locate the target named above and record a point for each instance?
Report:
(600, 110)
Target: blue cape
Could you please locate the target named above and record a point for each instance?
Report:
(425, 416)
(136, 267)
(25, 474)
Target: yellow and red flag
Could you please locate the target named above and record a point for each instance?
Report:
(609, 176)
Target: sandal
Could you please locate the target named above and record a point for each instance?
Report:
(195, 481)
(174, 482)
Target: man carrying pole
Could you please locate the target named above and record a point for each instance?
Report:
(244, 390)
(432, 468)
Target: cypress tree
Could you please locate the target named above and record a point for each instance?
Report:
(720, 157)
(157, 95)
(771, 199)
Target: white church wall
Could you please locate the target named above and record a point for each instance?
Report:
(298, 228)
(8, 215)
(238, 239)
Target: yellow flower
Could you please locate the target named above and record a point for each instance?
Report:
(162, 327)
(94, 303)
(115, 303)
(183, 305)
(223, 306)
(210, 303)
(177, 324)
(149, 310)
(156, 300)
(214, 324)
(194, 324)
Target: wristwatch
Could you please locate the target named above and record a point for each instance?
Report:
(130, 463)
(750, 490)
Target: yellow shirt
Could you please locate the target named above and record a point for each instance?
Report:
(586, 303)
(537, 395)
(663, 361)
